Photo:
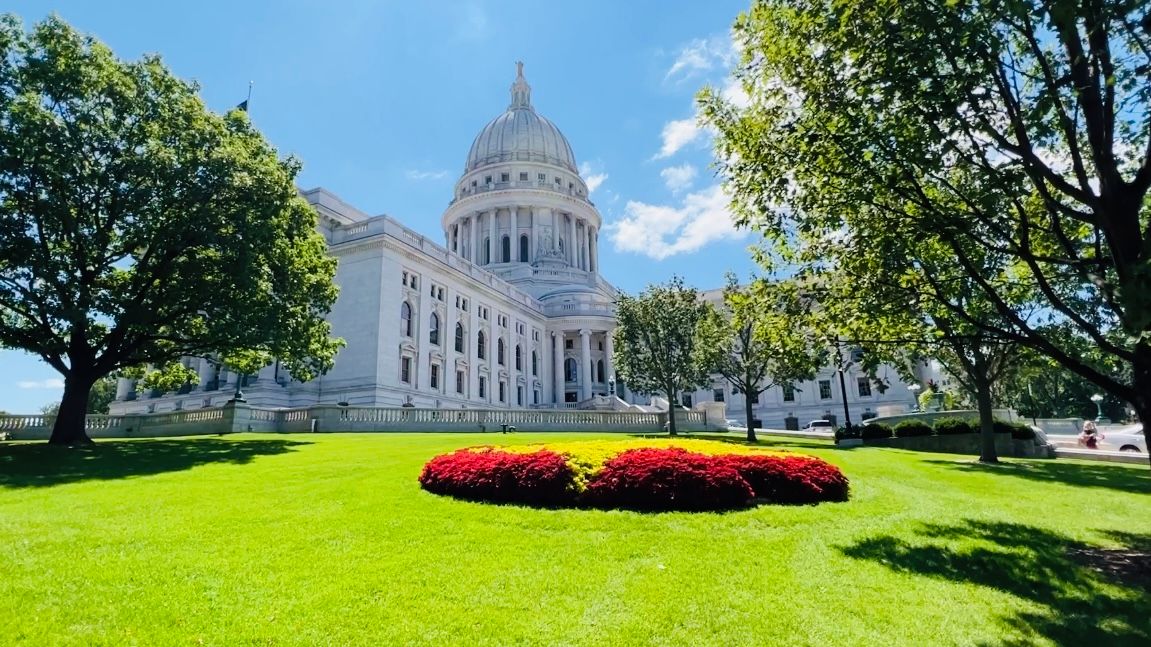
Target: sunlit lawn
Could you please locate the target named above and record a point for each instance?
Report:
(327, 539)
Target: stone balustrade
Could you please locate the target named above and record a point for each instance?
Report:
(233, 418)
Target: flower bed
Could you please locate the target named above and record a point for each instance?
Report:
(638, 475)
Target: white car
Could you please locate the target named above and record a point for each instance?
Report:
(1125, 439)
(819, 425)
(735, 424)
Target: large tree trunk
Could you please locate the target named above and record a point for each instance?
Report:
(69, 428)
(1141, 380)
(748, 403)
(671, 406)
(987, 453)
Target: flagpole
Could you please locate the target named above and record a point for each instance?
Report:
(249, 99)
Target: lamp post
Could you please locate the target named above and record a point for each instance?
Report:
(915, 388)
(1098, 400)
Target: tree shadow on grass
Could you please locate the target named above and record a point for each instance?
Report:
(1111, 476)
(1074, 602)
(43, 465)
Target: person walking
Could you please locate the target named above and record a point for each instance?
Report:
(1090, 436)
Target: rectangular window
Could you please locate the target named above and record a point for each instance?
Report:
(864, 385)
(483, 387)
(520, 396)
(825, 389)
(558, 180)
(686, 400)
(435, 376)
(459, 381)
(569, 344)
(717, 394)
(504, 177)
(788, 393)
(406, 370)
(523, 177)
(503, 391)
(488, 180)
(542, 177)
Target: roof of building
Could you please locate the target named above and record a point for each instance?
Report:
(520, 134)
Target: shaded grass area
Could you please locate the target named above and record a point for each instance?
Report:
(327, 539)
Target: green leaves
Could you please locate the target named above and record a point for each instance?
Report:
(138, 226)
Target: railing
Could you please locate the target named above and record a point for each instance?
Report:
(332, 418)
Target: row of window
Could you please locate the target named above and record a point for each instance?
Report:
(505, 177)
(863, 387)
(461, 380)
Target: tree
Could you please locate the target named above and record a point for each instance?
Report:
(138, 227)
(656, 336)
(1021, 129)
(760, 338)
(1043, 389)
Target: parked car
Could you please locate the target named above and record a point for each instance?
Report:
(1125, 439)
(819, 425)
(735, 424)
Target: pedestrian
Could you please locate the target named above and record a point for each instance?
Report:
(1090, 436)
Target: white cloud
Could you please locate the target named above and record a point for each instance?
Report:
(701, 55)
(425, 175)
(590, 177)
(50, 383)
(733, 92)
(678, 178)
(677, 134)
(660, 231)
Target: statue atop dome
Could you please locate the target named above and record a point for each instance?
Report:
(521, 91)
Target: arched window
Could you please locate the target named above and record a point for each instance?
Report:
(570, 370)
(523, 249)
(535, 365)
(481, 347)
(561, 246)
(519, 358)
(434, 329)
(506, 249)
(406, 319)
(599, 371)
(500, 352)
(459, 337)
(487, 250)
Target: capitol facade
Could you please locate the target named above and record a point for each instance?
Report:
(508, 312)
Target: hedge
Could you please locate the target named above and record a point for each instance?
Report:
(874, 430)
(909, 428)
(954, 427)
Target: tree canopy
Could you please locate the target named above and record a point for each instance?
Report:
(139, 227)
(761, 336)
(656, 339)
(1018, 131)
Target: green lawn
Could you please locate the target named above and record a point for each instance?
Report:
(327, 539)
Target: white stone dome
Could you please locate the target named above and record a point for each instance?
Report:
(520, 135)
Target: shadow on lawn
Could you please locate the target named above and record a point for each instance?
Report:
(1109, 476)
(1075, 600)
(42, 465)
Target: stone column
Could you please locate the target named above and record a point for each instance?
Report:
(420, 371)
(472, 348)
(586, 240)
(493, 359)
(207, 370)
(448, 344)
(571, 246)
(123, 384)
(514, 235)
(593, 241)
(492, 236)
(472, 222)
(608, 355)
(585, 373)
(558, 367)
(533, 253)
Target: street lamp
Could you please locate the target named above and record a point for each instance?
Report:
(915, 388)
(1098, 400)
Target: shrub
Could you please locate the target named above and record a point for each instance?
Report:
(791, 479)
(667, 479)
(875, 430)
(542, 477)
(909, 428)
(954, 427)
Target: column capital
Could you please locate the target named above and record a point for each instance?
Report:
(585, 332)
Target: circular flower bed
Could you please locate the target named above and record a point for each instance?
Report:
(638, 475)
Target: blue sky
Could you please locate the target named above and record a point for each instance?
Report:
(381, 101)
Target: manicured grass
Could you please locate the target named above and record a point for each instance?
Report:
(327, 539)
